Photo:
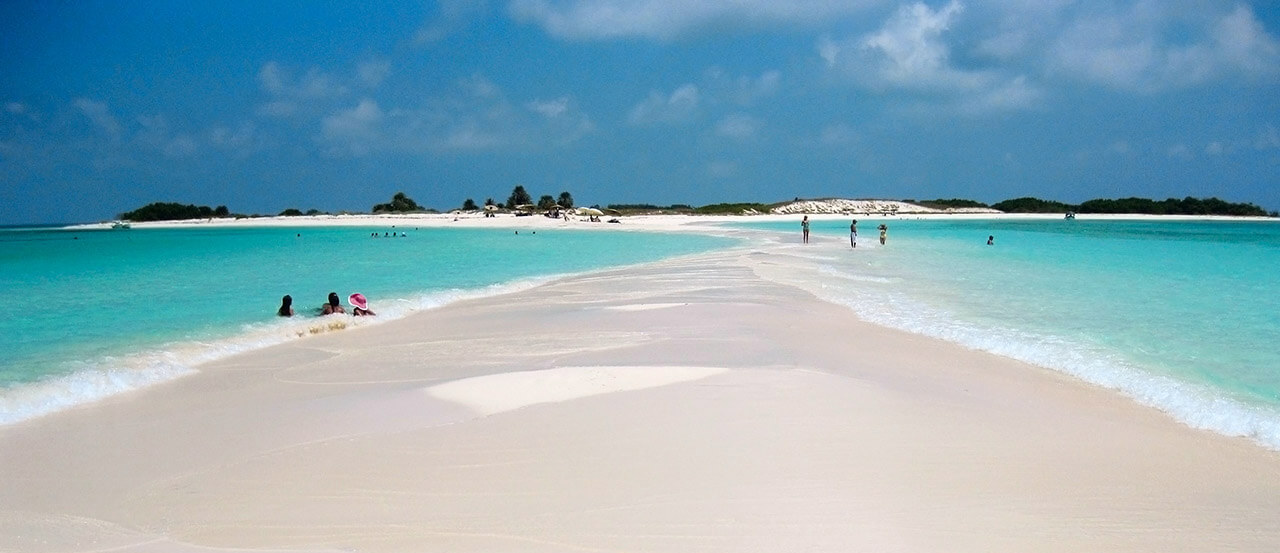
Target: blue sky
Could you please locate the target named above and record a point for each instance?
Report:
(263, 106)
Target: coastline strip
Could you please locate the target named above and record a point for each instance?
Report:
(824, 433)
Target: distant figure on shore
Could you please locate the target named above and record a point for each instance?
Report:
(884, 233)
(853, 234)
(991, 240)
(360, 305)
(804, 228)
(334, 307)
(286, 306)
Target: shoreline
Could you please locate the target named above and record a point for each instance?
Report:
(748, 407)
(650, 222)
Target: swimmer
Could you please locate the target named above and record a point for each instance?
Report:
(333, 307)
(360, 305)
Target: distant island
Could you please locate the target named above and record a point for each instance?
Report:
(521, 201)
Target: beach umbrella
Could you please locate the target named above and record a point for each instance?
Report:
(612, 211)
(590, 211)
(490, 207)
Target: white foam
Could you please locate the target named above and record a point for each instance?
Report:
(1194, 405)
(642, 306)
(497, 393)
(98, 379)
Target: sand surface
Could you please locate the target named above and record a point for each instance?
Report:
(688, 405)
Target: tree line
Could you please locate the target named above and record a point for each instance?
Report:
(402, 203)
(1146, 206)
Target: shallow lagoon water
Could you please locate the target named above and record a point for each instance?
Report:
(98, 312)
(1181, 315)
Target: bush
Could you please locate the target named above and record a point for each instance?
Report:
(162, 211)
(399, 203)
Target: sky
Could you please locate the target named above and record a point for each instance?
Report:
(262, 106)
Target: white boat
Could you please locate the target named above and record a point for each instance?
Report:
(120, 225)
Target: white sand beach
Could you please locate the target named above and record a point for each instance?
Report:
(695, 404)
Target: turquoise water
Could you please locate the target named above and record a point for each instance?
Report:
(1180, 315)
(92, 313)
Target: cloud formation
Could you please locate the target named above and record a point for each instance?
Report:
(666, 19)
(476, 115)
(100, 116)
(1134, 49)
(910, 52)
(658, 108)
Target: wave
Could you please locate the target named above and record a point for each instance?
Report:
(1195, 405)
(101, 378)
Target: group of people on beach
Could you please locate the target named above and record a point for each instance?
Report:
(333, 306)
(853, 232)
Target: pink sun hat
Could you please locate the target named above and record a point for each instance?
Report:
(357, 300)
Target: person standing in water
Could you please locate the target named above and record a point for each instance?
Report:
(804, 228)
(333, 307)
(286, 306)
(853, 234)
(991, 240)
(884, 234)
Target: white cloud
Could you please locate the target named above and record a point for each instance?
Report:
(550, 108)
(911, 52)
(242, 140)
(908, 51)
(1155, 46)
(476, 115)
(564, 123)
(452, 16)
(664, 19)
(278, 108)
(738, 126)
(678, 107)
(15, 108)
(1214, 149)
(100, 115)
(372, 73)
(356, 129)
(271, 79)
(1015, 94)
(154, 133)
(287, 93)
(744, 90)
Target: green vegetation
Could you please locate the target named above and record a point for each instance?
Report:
(945, 204)
(162, 211)
(518, 197)
(546, 202)
(650, 208)
(565, 201)
(291, 212)
(469, 205)
(400, 203)
(731, 209)
(1171, 206)
(1032, 205)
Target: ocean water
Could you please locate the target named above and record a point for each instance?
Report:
(95, 313)
(1180, 315)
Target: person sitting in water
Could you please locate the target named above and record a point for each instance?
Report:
(360, 305)
(286, 306)
(334, 307)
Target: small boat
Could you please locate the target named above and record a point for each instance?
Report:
(120, 225)
(1071, 215)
